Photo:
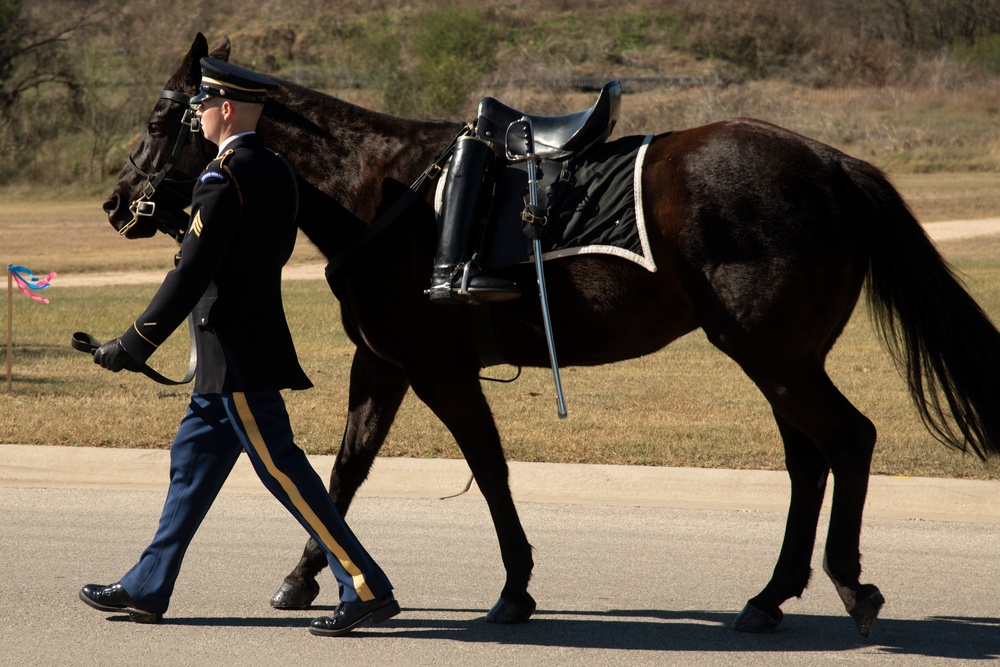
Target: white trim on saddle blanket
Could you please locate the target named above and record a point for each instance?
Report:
(644, 260)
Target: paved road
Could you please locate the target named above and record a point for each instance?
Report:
(637, 566)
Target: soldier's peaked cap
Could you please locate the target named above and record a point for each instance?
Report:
(222, 79)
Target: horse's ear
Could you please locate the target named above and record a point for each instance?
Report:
(199, 47)
(189, 74)
(222, 50)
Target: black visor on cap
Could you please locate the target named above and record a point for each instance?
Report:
(199, 98)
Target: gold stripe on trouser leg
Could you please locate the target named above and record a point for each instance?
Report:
(250, 425)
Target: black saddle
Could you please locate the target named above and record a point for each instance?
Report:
(555, 137)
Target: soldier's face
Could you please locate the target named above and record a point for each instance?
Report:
(210, 113)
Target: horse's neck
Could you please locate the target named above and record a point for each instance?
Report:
(349, 153)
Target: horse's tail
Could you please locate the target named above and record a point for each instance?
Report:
(935, 331)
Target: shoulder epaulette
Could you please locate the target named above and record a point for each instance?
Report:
(222, 158)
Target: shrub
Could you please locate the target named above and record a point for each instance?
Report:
(451, 50)
(984, 54)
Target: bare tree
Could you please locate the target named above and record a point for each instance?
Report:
(33, 51)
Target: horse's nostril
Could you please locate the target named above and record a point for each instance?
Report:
(111, 205)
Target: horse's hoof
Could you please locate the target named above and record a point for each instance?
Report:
(754, 620)
(508, 612)
(865, 612)
(292, 596)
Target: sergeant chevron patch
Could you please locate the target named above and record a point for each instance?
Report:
(196, 224)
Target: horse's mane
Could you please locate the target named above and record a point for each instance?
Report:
(347, 151)
(315, 104)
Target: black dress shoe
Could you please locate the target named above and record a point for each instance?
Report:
(114, 598)
(350, 615)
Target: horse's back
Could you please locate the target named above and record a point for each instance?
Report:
(749, 177)
(756, 231)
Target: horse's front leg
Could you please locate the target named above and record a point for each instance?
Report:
(376, 392)
(460, 404)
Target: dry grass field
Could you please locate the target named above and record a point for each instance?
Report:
(927, 115)
(687, 405)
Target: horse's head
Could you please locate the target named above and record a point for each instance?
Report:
(156, 183)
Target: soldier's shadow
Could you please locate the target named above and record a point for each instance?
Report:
(955, 637)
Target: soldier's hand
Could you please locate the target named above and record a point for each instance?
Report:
(113, 356)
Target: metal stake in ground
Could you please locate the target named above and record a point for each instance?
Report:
(10, 325)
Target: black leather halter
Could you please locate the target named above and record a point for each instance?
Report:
(144, 206)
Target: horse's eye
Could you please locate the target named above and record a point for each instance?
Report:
(154, 129)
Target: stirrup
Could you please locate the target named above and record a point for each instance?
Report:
(466, 291)
(463, 288)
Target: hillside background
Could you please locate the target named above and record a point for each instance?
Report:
(912, 85)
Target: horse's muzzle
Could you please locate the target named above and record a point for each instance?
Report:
(123, 219)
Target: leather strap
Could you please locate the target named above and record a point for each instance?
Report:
(84, 342)
(405, 200)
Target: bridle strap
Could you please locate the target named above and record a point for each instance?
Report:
(144, 206)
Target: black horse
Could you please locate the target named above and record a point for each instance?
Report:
(763, 238)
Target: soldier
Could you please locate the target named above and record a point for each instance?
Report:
(241, 233)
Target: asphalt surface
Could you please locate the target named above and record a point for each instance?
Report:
(637, 566)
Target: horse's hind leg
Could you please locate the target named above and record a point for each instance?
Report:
(458, 401)
(808, 471)
(811, 410)
(376, 392)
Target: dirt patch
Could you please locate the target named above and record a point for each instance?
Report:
(296, 272)
(954, 230)
(939, 231)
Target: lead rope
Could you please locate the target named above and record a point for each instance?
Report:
(84, 342)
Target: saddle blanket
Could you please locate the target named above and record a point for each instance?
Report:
(595, 208)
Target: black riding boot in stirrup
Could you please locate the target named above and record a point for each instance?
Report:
(457, 277)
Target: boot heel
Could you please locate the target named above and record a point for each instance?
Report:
(385, 613)
(140, 616)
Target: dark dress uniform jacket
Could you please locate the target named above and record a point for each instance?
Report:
(241, 234)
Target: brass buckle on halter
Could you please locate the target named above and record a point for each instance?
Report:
(191, 120)
(143, 207)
